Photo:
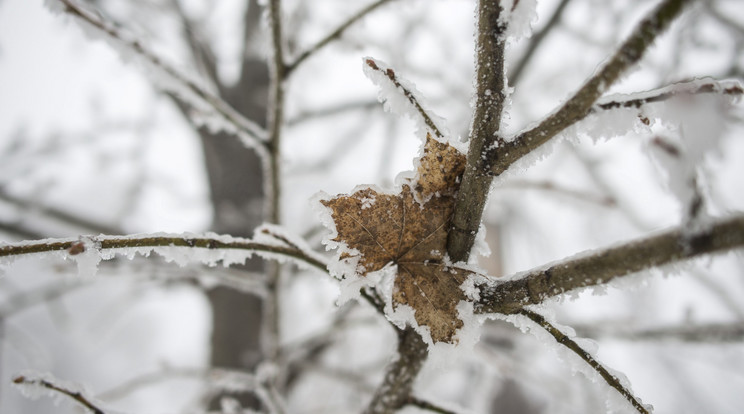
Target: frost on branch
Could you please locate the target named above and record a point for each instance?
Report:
(408, 230)
(206, 108)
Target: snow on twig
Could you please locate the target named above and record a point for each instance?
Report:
(34, 385)
(212, 110)
(384, 77)
(179, 248)
(732, 88)
(569, 343)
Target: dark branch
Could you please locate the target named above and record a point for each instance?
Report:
(597, 268)
(334, 34)
(732, 88)
(429, 406)
(489, 101)
(75, 395)
(569, 343)
(395, 391)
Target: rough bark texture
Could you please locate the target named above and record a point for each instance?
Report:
(490, 94)
(601, 267)
(395, 391)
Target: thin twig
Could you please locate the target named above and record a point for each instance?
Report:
(390, 74)
(569, 343)
(535, 43)
(694, 333)
(122, 242)
(246, 128)
(334, 34)
(606, 201)
(429, 406)
(708, 86)
(601, 267)
(84, 224)
(75, 395)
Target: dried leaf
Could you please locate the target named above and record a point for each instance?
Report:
(440, 169)
(384, 229)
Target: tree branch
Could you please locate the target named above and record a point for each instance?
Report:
(73, 247)
(429, 406)
(569, 343)
(489, 101)
(499, 159)
(536, 41)
(83, 223)
(334, 34)
(275, 115)
(78, 396)
(245, 128)
(395, 391)
(596, 268)
(698, 87)
(390, 74)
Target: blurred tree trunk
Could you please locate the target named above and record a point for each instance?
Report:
(236, 184)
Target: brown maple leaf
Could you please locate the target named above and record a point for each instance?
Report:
(383, 229)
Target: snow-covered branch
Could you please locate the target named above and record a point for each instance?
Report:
(36, 385)
(569, 343)
(222, 116)
(208, 249)
(500, 158)
(377, 68)
(429, 406)
(490, 94)
(600, 267)
(695, 87)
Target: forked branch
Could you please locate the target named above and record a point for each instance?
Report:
(580, 104)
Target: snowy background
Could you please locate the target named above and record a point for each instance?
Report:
(85, 133)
